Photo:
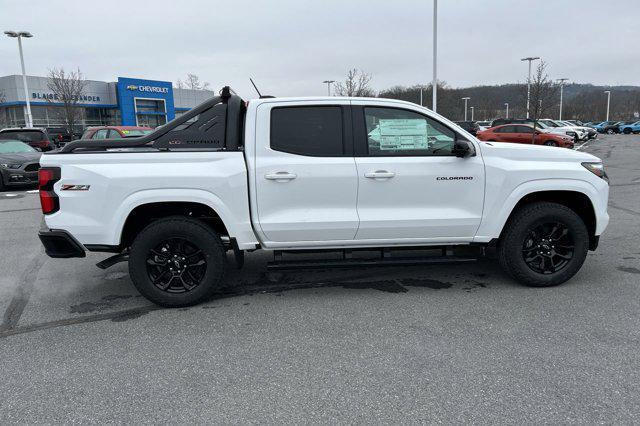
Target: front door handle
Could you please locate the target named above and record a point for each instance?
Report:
(280, 176)
(379, 174)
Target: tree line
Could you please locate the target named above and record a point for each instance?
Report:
(584, 102)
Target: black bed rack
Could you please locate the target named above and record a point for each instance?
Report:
(214, 124)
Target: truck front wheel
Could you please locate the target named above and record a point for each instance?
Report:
(543, 244)
(177, 261)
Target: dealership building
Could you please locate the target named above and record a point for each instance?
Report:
(126, 102)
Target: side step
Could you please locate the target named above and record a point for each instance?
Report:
(385, 257)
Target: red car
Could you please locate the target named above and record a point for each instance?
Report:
(115, 132)
(521, 133)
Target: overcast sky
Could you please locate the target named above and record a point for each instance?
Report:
(290, 46)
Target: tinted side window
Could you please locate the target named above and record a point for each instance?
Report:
(392, 131)
(524, 129)
(312, 131)
(505, 129)
(100, 134)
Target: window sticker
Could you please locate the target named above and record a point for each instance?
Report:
(401, 134)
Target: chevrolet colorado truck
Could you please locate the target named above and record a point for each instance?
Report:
(313, 175)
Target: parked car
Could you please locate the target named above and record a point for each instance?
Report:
(470, 126)
(609, 127)
(540, 125)
(521, 133)
(484, 125)
(35, 137)
(630, 127)
(59, 136)
(580, 134)
(19, 163)
(591, 132)
(293, 175)
(116, 132)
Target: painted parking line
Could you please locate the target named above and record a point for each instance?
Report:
(578, 148)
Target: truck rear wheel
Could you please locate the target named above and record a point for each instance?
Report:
(177, 261)
(543, 244)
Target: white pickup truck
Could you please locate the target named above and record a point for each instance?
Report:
(349, 175)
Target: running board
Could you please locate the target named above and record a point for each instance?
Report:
(110, 261)
(385, 258)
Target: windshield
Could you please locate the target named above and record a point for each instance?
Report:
(23, 135)
(14, 147)
(548, 123)
(542, 125)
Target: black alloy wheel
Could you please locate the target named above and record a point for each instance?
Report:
(548, 247)
(176, 265)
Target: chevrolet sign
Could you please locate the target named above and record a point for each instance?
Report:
(153, 89)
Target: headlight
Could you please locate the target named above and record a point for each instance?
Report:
(10, 165)
(597, 169)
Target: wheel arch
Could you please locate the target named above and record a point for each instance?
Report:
(577, 201)
(141, 208)
(579, 195)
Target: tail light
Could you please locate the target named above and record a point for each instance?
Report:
(47, 177)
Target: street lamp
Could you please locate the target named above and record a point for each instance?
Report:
(471, 108)
(19, 35)
(561, 80)
(530, 59)
(608, 92)
(506, 104)
(328, 83)
(435, 56)
(465, 107)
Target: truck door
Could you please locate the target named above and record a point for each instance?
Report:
(305, 175)
(411, 186)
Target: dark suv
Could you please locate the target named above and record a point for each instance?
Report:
(59, 136)
(35, 137)
(470, 126)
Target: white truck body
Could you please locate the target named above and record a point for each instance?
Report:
(278, 200)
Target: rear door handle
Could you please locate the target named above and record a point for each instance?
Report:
(280, 176)
(379, 174)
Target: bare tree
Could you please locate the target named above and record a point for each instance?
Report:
(542, 95)
(68, 89)
(356, 84)
(178, 84)
(3, 117)
(193, 82)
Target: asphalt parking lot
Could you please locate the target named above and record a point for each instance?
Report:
(384, 345)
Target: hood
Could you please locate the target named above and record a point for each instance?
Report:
(527, 152)
(20, 158)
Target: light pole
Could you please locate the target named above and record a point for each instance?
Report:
(608, 92)
(561, 80)
(328, 83)
(530, 59)
(506, 104)
(471, 108)
(435, 57)
(19, 35)
(465, 107)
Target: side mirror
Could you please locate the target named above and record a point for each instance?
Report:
(461, 149)
(37, 148)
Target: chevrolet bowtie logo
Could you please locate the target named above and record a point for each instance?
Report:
(132, 87)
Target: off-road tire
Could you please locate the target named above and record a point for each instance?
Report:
(512, 240)
(196, 234)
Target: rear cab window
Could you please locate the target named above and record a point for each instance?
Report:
(315, 131)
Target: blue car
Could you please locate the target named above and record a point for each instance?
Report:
(630, 127)
(600, 127)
